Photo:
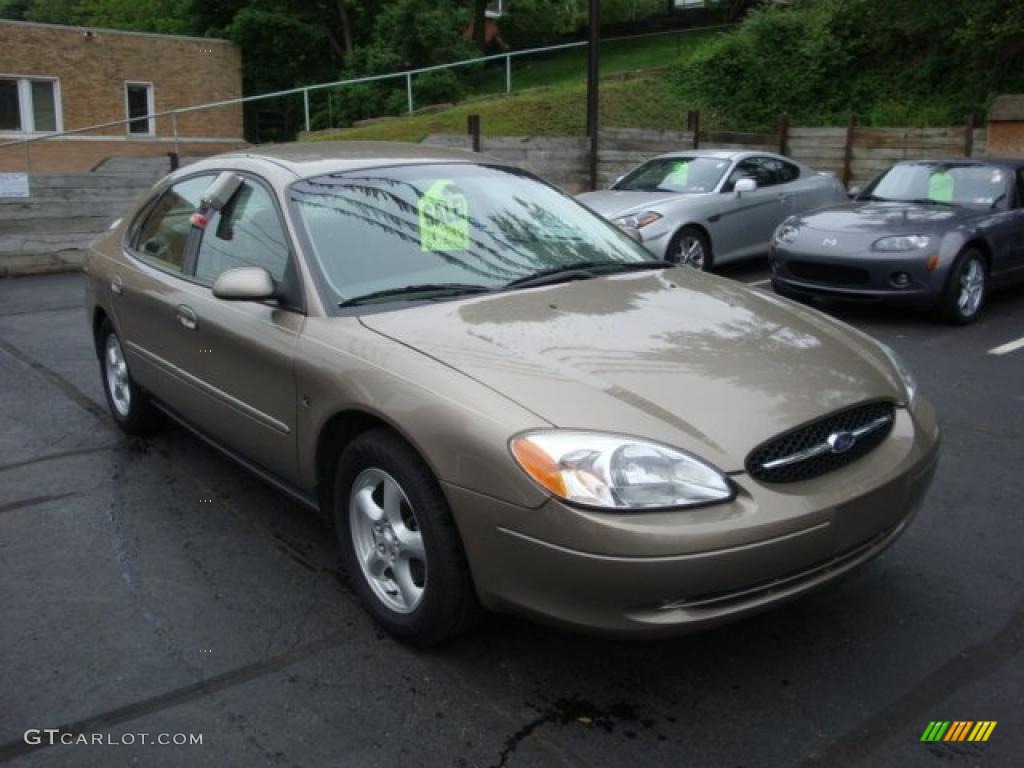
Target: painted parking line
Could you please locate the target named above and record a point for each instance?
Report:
(1008, 347)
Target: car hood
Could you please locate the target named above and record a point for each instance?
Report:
(619, 202)
(684, 358)
(883, 217)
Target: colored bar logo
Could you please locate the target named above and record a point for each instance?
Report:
(958, 730)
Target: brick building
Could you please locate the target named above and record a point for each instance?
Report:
(55, 78)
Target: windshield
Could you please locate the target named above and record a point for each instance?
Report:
(943, 183)
(384, 229)
(676, 174)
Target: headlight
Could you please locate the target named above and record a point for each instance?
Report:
(787, 233)
(638, 220)
(904, 373)
(901, 243)
(617, 472)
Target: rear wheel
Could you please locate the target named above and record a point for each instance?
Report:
(966, 289)
(399, 543)
(128, 402)
(690, 246)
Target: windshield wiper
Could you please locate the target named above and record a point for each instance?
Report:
(433, 290)
(582, 270)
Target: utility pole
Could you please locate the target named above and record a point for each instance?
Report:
(593, 59)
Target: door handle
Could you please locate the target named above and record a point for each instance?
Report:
(187, 317)
(117, 285)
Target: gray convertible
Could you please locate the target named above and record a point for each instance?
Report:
(708, 207)
(935, 233)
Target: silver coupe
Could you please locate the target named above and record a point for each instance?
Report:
(708, 207)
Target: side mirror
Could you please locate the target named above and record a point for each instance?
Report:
(245, 284)
(746, 184)
(854, 192)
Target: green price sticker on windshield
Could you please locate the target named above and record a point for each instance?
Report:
(940, 187)
(680, 172)
(444, 218)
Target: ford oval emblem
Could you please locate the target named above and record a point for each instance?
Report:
(841, 442)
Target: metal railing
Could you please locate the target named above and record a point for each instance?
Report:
(305, 90)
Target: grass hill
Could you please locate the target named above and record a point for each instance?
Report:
(549, 94)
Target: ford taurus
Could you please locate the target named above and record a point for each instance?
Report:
(497, 398)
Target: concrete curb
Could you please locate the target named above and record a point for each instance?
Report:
(23, 264)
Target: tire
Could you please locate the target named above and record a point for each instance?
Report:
(399, 543)
(966, 289)
(686, 238)
(128, 403)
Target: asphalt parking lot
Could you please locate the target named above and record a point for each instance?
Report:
(154, 587)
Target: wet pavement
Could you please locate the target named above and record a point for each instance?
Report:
(153, 587)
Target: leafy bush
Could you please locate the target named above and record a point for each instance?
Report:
(439, 87)
(533, 23)
(895, 62)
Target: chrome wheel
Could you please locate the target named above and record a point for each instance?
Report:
(118, 383)
(387, 540)
(972, 288)
(690, 251)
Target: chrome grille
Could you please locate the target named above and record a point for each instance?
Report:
(822, 446)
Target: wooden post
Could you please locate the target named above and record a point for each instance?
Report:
(782, 129)
(593, 73)
(693, 125)
(473, 129)
(848, 150)
(972, 123)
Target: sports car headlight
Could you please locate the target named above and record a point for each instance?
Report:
(905, 374)
(787, 233)
(616, 471)
(637, 220)
(901, 243)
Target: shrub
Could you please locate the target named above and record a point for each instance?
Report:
(896, 62)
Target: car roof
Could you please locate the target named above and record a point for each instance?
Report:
(1012, 162)
(723, 154)
(313, 158)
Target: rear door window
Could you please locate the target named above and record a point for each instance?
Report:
(163, 237)
(787, 172)
(761, 169)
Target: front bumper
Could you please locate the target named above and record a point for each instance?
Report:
(857, 276)
(670, 572)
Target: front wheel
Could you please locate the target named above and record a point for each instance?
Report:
(398, 541)
(128, 402)
(966, 289)
(690, 246)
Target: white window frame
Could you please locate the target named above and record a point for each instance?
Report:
(150, 108)
(26, 108)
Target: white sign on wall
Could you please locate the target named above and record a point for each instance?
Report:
(13, 185)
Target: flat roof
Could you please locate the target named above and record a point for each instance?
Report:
(116, 32)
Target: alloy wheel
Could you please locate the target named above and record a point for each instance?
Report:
(118, 383)
(691, 252)
(972, 288)
(387, 540)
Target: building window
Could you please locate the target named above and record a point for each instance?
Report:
(138, 99)
(29, 105)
